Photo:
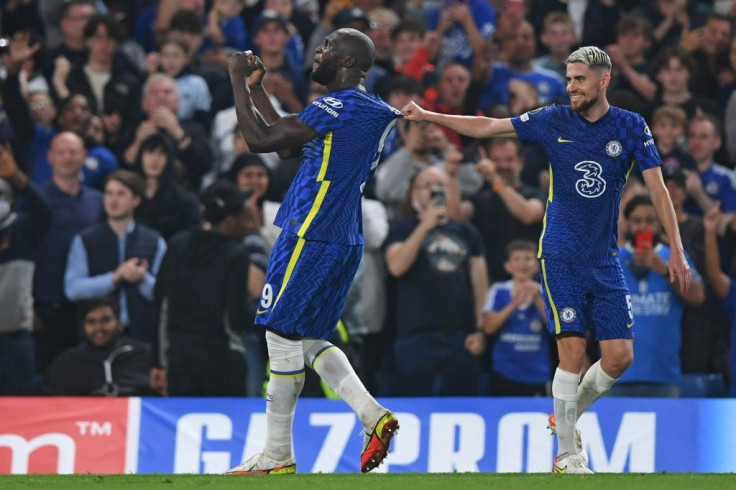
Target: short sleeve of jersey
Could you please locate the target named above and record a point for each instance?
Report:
(534, 125)
(645, 151)
(494, 299)
(323, 114)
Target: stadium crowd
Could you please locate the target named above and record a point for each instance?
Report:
(135, 224)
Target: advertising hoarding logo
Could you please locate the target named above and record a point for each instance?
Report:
(63, 435)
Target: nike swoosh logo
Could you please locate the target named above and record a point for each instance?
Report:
(260, 312)
(629, 325)
(562, 140)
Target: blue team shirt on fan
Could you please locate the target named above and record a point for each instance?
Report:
(589, 164)
(549, 85)
(719, 183)
(455, 44)
(323, 201)
(521, 350)
(657, 312)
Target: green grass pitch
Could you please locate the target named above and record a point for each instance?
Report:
(352, 481)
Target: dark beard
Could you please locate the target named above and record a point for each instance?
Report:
(585, 106)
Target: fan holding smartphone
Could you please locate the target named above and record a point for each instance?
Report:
(437, 195)
(656, 306)
(644, 240)
(642, 236)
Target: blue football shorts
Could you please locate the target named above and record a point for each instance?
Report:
(306, 286)
(579, 298)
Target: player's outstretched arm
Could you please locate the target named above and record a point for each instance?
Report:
(474, 126)
(283, 134)
(679, 267)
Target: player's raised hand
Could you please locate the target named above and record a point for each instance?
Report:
(241, 64)
(256, 78)
(413, 112)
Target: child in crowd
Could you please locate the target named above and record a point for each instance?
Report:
(629, 57)
(515, 316)
(558, 36)
(194, 94)
(668, 127)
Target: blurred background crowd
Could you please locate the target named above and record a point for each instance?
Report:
(135, 224)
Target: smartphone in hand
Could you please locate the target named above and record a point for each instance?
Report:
(437, 194)
(644, 240)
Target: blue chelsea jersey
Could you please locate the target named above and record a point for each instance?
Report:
(521, 350)
(323, 201)
(589, 165)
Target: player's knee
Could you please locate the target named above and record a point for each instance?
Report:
(283, 351)
(626, 359)
(571, 349)
(616, 364)
(313, 348)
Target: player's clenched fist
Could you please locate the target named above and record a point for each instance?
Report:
(242, 63)
(256, 76)
(413, 112)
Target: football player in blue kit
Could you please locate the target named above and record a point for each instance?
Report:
(591, 147)
(340, 137)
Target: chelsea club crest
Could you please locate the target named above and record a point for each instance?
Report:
(568, 315)
(613, 148)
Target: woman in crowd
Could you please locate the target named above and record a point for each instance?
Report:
(166, 207)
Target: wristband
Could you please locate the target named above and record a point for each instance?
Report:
(499, 186)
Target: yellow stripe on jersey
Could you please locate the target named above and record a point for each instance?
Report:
(550, 195)
(555, 316)
(322, 189)
(630, 169)
(290, 267)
